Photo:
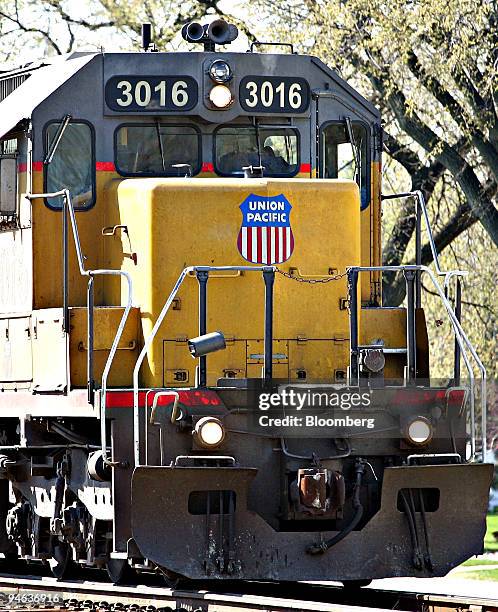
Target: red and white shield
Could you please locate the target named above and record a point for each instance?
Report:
(265, 236)
(266, 245)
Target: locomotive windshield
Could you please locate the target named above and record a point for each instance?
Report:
(276, 149)
(158, 150)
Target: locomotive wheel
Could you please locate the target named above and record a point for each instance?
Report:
(119, 571)
(61, 562)
(353, 585)
(172, 579)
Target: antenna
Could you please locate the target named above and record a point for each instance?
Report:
(147, 44)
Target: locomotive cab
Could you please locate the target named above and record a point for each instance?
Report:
(203, 192)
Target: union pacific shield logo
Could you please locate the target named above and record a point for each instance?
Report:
(265, 236)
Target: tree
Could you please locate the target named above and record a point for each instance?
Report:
(431, 67)
(62, 26)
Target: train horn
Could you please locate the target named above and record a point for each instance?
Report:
(218, 32)
(193, 32)
(221, 32)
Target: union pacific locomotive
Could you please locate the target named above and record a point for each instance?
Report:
(187, 240)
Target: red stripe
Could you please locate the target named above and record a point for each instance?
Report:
(284, 245)
(105, 167)
(291, 243)
(190, 397)
(22, 167)
(248, 255)
(268, 245)
(207, 167)
(260, 240)
(305, 168)
(277, 260)
(239, 241)
(99, 166)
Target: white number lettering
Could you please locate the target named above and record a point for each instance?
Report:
(142, 93)
(253, 100)
(295, 98)
(267, 94)
(281, 92)
(125, 86)
(179, 93)
(161, 88)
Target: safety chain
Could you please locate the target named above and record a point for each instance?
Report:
(311, 281)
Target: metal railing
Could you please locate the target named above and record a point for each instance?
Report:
(461, 338)
(421, 210)
(68, 210)
(202, 273)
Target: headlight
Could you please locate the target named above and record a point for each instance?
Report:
(220, 71)
(209, 432)
(419, 431)
(220, 96)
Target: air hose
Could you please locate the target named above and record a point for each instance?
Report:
(321, 547)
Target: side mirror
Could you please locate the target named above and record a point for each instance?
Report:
(8, 186)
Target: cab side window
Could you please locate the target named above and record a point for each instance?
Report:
(8, 179)
(344, 157)
(72, 164)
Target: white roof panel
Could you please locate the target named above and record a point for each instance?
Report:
(21, 103)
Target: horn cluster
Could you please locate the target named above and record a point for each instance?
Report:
(218, 32)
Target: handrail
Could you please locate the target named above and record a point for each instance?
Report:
(421, 201)
(69, 208)
(460, 335)
(148, 341)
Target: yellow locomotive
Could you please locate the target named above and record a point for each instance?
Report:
(156, 207)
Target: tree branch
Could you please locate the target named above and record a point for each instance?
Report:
(395, 290)
(468, 125)
(29, 30)
(423, 178)
(57, 6)
(481, 206)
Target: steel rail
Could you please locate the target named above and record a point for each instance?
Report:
(211, 597)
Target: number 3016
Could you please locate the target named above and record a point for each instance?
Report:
(151, 93)
(272, 94)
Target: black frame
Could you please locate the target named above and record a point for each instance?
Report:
(262, 127)
(195, 171)
(368, 178)
(93, 165)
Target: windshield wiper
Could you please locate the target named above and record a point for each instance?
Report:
(57, 139)
(354, 147)
(260, 158)
(161, 149)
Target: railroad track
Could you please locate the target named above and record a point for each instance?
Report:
(44, 594)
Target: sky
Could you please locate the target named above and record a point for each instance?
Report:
(107, 38)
